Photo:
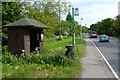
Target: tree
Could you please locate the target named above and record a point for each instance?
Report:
(48, 13)
(104, 26)
(77, 28)
(11, 11)
(85, 29)
(69, 17)
(116, 26)
(93, 26)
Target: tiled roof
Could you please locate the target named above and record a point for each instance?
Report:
(27, 22)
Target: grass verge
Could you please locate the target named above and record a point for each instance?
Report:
(51, 63)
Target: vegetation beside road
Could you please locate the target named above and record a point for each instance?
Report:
(48, 13)
(52, 63)
(108, 26)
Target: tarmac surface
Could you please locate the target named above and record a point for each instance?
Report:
(93, 64)
(109, 50)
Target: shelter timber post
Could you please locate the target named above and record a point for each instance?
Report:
(25, 34)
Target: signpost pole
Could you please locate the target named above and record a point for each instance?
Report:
(73, 32)
(73, 24)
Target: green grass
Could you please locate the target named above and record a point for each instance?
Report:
(51, 63)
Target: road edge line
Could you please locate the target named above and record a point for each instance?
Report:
(116, 76)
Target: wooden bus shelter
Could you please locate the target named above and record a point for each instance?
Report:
(25, 34)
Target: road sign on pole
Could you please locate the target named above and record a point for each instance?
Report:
(76, 11)
(73, 33)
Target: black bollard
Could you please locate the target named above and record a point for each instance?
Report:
(69, 52)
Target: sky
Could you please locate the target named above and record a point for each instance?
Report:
(93, 11)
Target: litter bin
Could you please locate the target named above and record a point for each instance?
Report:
(69, 52)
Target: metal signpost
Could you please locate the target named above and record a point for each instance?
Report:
(76, 12)
(73, 33)
(73, 24)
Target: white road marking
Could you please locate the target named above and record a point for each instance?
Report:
(115, 74)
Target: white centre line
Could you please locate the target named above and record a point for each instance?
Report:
(115, 74)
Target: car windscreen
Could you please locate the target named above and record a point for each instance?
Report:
(104, 36)
(94, 32)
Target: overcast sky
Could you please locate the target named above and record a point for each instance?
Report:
(93, 11)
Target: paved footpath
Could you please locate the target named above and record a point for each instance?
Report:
(93, 64)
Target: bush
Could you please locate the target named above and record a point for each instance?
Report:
(9, 58)
(51, 63)
(4, 49)
(55, 59)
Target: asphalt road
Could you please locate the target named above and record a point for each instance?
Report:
(109, 50)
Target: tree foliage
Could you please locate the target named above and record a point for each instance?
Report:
(85, 29)
(77, 28)
(104, 27)
(69, 17)
(11, 11)
(49, 13)
(116, 26)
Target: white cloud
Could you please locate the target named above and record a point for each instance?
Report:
(95, 10)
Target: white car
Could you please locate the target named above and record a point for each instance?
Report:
(103, 38)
